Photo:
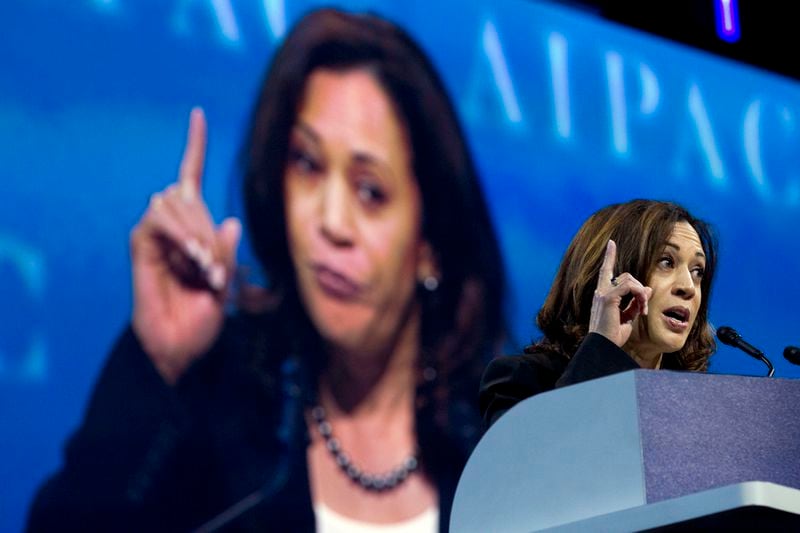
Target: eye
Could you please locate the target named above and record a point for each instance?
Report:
(370, 192)
(302, 161)
(698, 272)
(666, 261)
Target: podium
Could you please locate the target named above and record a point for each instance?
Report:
(644, 449)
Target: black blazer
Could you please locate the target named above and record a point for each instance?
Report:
(510, 379)
(150, 457)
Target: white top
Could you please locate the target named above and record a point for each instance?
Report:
(329, 521)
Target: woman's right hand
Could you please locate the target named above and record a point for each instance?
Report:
(182, 266)
(608, 317)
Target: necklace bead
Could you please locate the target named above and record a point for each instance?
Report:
(370, 482)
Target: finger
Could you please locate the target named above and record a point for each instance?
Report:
(183, 228)
(607, 267)
(158, 237)
(639, 297)
(161, 218)
(160, 221)
(630, 312)
(626, 284)
(193, 215)
(191, 171)
(184, 253)
(649, 293)
(624, 277)
(228, 237)
(212, 249)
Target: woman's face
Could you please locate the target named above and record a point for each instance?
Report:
(353, 211)
(675, 301)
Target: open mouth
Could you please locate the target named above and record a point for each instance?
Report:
(677, 316)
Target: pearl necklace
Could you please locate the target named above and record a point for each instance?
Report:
(370, 482)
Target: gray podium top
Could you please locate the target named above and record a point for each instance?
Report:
(626, 441)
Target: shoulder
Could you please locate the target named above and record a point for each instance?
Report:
(535, 370)
(510, 379)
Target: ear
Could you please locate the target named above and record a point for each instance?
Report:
(427, 264)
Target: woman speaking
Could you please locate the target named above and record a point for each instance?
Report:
(631, 292)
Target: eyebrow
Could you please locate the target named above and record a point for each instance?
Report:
(362, 158)
(307, 130)
(367, 159)
(678, 248)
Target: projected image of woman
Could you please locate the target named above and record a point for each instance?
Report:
(349, 398)
(631, 292)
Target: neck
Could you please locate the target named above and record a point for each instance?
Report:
(383, 381)
(644, 358)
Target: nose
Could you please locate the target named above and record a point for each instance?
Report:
(336, 223)
(684, 284)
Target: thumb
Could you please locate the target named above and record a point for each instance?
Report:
(633, 310)
(230, 232)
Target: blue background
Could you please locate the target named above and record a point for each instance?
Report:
(565, 114)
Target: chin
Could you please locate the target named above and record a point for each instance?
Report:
(339, 324)
(664, 340)
(671, 345)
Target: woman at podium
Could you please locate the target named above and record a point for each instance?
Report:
(631, 292)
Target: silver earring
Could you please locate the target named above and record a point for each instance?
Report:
(431, 283)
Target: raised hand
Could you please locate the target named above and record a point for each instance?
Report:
(608, 317)
(182, 265)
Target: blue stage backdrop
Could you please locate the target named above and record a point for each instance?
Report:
(565, 114)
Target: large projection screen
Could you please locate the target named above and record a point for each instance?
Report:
(565, 113)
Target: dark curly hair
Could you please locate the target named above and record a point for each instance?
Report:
(640, 228)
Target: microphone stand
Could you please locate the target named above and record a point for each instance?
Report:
(731, 337)
(766, 361)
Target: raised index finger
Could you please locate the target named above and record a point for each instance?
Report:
(190, 175)
(607, 268)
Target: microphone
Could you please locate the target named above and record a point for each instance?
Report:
(792, 354)
(730, 337)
